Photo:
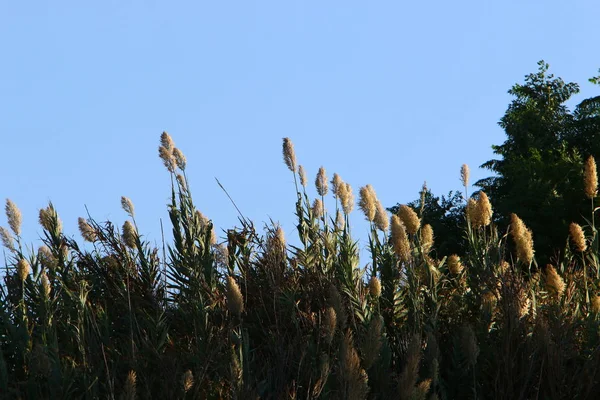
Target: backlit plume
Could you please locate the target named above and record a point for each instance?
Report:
(410, 219)
(400, 239)
(321, 182)
(367, 202)
(590, 176)
(577, 237)
(13, 214)
(289, 156)
(523, 239)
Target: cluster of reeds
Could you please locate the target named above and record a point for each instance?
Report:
(250, 315)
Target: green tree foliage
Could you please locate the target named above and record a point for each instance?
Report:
(539, 173)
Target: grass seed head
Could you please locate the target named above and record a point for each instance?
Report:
(13, 214)
(381, 220)
(87, 231)
(375, 287)
(590, 178)
(167, 157)
(400, 239)
(346, 197)
(167, 141)
(188, 380)
(409, 218)
(472, 214)
(302, 175)
(336, 183)
(129, 235)
(289, 156)
(180, 159)
(129, 390)
(427, 238)
(127, 206)
(554, 282)
(523, 239)
(340, 222)
(464, 175)
(49, 220)
(235, 301)
(321, 182)
(329, 323)
(455, 266)
(577, 237)
(484, 210)
(368, 202)
(23, 269)
(46, 285)
(318, 209)
(7, 239)
(46, 258)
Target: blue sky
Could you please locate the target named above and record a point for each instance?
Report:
(388, 93)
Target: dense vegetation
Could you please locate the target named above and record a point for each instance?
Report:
(252, 316)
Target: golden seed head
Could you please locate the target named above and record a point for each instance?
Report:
(454, 265)
(235, 301)
(7, 239)
(130, 386)
(596, 304)
(127, 206)
(318, 209)
(46, 257)
(400, 239)
(336, 183)
(426, 238)
(49, 219)
(340, 222)
(368, 202)
(87, 231)
(464, 175)
(484, 209)
(329, 323)
(188, 380)
(590, 178)
(472, 214)
(410, 219)
(168, 158)
(166, 141)
(23, 269)
(289, 156)
(375, 287)
(181, 182)
(381, 220)
(346, 198)
(46, 285)
(554, 282)
(277, 240)
(577, 237)
(129, 235)
(321, 182)
(302, 175)
(523, 239)
(14, 217)
(180, 159)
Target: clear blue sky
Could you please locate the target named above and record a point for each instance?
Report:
(389, 93)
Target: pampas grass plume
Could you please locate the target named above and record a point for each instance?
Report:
(13, 214)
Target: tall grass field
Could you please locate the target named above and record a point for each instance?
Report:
(248, 315)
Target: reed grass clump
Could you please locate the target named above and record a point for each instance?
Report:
(262, 315)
